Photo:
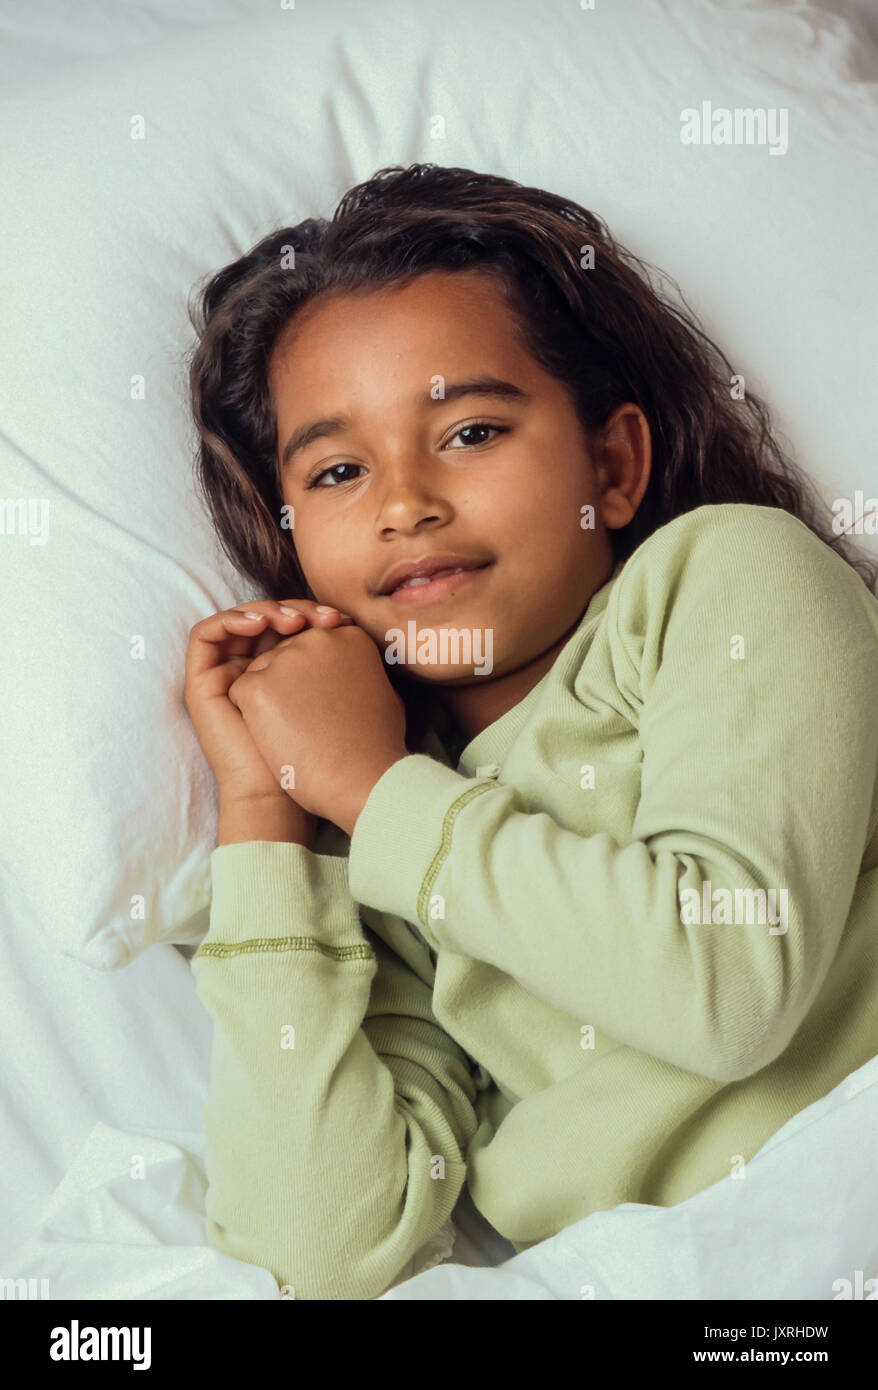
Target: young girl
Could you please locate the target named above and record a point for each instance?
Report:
(547, 858)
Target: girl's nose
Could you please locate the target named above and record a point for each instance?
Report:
(408, 502)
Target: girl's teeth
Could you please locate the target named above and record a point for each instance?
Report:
(426, 578)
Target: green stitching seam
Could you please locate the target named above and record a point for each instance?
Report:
(284, 943)
(442, 852)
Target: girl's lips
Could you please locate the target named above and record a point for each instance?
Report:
(444, 586)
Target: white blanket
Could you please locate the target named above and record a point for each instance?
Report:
(802, 1223)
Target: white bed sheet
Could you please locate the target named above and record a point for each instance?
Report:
(126, 1222)
(114, 1203)
(104, 1077)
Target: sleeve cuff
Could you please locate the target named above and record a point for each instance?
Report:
(267, 889)
(402, 833)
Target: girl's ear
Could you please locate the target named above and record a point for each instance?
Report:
(622, 462)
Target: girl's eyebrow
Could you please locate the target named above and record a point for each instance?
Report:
(473, 386)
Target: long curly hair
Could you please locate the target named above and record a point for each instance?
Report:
(607, 330)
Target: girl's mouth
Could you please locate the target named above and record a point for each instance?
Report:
(443, 584)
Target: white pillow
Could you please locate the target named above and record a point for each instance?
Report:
(859, 12)
(107, 802)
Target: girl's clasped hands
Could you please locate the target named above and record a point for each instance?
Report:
(293, 699)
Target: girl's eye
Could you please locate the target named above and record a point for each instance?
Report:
(479, 425)
(332, 471)
(324, 473)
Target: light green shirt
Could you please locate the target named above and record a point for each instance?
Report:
(603, 960)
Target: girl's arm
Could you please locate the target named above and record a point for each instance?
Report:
(339, 1110)
(746, 655)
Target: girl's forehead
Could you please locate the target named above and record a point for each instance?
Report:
(429, 315)
(446, 294)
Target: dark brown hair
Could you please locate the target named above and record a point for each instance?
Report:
(610, 333)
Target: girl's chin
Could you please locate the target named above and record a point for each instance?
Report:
(440, 653)
(439, 676)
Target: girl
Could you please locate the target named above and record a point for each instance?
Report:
(547, 855)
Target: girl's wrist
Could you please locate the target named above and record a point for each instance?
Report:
(274, 816)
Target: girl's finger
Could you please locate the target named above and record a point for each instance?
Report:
(233, 621)
(253, 617)
(230, 633)
(266, 640)
(316, 613)
(268, 637)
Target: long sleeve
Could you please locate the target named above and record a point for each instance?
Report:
(745, 654)
(339, 1110)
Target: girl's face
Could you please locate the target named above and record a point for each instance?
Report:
(412, 451)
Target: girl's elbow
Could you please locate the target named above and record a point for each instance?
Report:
(744, 1056)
